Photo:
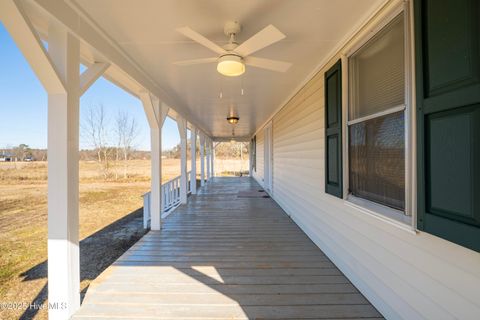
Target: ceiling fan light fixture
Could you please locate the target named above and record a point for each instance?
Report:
(233, 119)
(231, 65)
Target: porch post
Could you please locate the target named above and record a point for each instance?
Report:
(156, 178)
(250, 158)
(213, 161)
(63, 177)
(193, 152)
(202, 159)
(209, 154)
(182, 128)
(156, 113)
(59, 72)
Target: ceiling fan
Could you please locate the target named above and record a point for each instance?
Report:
(233, 56)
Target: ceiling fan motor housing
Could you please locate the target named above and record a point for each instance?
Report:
(232, 27)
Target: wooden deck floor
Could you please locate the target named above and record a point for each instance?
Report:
(228, 254)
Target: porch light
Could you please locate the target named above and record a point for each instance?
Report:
(230, 65)
(233, 119)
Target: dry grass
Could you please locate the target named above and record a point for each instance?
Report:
(227, 167)
(23, 215)
(23, 219)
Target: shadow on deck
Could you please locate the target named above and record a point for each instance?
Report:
(230, 253)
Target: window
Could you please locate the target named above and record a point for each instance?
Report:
(376, 118)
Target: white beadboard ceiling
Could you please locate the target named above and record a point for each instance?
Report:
(145, 31)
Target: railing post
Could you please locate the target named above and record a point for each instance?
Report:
(163, 198)
(182, 128)
(193, 152)
(202, 159)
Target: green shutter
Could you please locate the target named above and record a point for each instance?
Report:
(448, 119)
(333, 130)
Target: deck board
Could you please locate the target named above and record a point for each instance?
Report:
(227, 254)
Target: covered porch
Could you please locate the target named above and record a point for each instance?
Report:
(230, 253)
(363, 124)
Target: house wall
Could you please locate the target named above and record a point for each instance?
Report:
(258, 174)
(405, 274)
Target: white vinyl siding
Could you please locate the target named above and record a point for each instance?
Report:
(406, 275)
(298, 143)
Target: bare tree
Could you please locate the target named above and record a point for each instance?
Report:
(22, 151)
(95, 130)
(127, 132)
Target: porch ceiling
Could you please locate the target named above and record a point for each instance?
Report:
(145, 31)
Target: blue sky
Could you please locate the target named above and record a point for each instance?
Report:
(23, 104)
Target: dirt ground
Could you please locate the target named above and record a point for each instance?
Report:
(110, 213)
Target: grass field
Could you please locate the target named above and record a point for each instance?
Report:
(23, 222)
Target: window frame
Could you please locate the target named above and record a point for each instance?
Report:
(405, 219)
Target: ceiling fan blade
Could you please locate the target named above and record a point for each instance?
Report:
(197, 37)
(274, 65)
(195, 61)
(260, 40)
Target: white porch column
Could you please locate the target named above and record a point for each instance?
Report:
(156, 113)
(209, 158)
(250, 158)
(202, 159)
(193, 152)
(213, 160)
(156, 178)
(59, 72)
(182, 128)
(63, 146)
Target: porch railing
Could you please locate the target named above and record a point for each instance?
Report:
(170, 193)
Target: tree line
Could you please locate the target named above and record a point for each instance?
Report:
(223, 150)
(113, 142)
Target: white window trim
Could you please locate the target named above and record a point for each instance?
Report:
(380, 212)
(377, 210)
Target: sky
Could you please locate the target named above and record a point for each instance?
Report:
(23, 104)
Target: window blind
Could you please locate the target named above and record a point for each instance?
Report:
(377, 78)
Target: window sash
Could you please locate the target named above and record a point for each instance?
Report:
(373, 159)
(378, 54)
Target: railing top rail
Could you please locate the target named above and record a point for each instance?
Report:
(176, 178)
(173, 179)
